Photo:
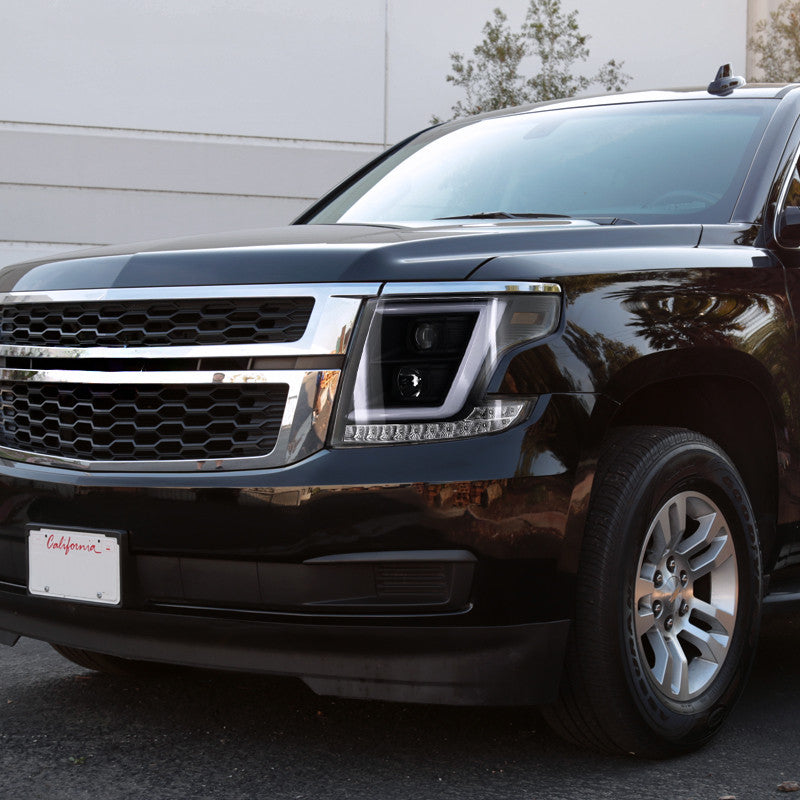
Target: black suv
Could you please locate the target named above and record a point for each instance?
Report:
(511, 416)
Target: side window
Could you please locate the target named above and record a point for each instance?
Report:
(793, 195)
(788, 220)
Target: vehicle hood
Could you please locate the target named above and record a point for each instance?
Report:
(334, 253)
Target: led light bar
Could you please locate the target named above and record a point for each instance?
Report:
(491, 418)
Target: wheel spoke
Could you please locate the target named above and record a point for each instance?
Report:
(680, 669)
(718, 552)
(709, 526)
(643, 589)
(677, 521)
(721, 621)
(661, 534)
(644, 619)
(671, 669)
(661, 653)
(712, 646)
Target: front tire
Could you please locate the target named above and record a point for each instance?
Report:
(668, 597)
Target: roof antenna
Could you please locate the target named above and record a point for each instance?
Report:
(725, 82)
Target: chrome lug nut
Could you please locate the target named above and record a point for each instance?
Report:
(684, 609)
(671, 564)
(668, 623)
(657, 607)
(684, 578)
(658, 579)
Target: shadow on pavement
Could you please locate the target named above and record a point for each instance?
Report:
(69, 733)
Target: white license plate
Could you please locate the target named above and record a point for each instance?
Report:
(74, 565)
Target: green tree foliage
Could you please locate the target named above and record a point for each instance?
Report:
(493, 79)
(776, 44)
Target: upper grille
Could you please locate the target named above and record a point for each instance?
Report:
(141, 421)
(156, 322)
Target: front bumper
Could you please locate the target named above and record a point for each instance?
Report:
(500, 665)
(212, 565)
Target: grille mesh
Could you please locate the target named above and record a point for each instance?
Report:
(141, 422)
(411, 580)
(155, 323)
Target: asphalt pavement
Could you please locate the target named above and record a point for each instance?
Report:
(70, 734)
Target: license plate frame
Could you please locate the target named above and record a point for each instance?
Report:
(77, 565)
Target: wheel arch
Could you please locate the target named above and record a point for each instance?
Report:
(720, 406)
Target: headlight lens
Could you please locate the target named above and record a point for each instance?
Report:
(421, 366)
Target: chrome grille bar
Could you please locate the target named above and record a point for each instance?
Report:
(328, 332)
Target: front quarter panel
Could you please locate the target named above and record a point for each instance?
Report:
(642, 309)
(639, 319)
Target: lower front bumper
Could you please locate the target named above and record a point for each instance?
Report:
(265, 571)
(498, 665)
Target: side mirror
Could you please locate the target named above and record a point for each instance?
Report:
(789, 227)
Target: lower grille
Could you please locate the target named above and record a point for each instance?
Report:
(395, 582)
(141, 422)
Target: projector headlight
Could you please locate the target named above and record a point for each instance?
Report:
(424, 356)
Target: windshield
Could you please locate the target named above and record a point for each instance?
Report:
(673, 161)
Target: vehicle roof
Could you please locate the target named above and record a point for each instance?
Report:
(774, 91)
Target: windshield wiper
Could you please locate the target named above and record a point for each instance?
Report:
(506, 215)
(611, 220)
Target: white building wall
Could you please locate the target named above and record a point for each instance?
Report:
(65, 186)
(124, 120)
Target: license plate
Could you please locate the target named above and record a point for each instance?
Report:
(74, 565)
